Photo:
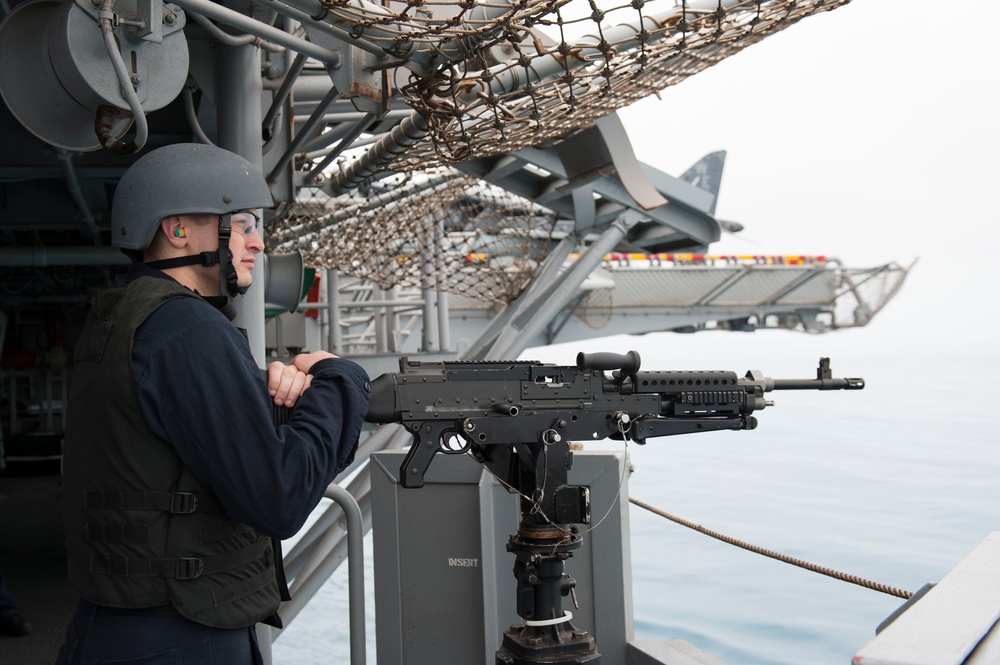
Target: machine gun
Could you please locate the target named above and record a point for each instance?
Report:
(517, 418)
(455, 407)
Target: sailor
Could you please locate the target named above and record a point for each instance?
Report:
(177, 486)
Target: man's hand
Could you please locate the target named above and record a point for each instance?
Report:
(304, 361)
(286, 383)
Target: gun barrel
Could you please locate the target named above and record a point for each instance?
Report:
(819, 384)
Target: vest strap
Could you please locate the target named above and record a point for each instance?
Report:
(177, 503)
(181, 568)
(279, 571)
(117, 534)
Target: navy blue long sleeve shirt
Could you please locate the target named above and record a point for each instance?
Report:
(200, 389)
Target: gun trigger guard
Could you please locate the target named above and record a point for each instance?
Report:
(427, 441)
(450, 436)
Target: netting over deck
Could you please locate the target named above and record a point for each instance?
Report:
(437, 230)
(548, 68)
(531, 72)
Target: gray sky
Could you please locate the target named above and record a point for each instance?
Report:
(868, 134)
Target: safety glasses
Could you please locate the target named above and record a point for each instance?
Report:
(244, 222)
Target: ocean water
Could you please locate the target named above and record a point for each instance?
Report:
(896, 483)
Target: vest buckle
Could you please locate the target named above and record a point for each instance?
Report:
(183, 503)
(189, 568)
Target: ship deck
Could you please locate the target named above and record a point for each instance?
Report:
(33, 560)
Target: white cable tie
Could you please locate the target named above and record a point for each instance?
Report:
(566, 617)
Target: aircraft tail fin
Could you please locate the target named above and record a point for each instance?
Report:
(706, 174)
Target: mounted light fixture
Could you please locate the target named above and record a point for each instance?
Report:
(66, 74)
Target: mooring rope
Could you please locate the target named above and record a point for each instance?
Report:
(829, 572)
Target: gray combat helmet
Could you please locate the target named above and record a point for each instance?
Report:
(183, 178)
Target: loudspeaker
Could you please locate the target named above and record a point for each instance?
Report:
(283, 276)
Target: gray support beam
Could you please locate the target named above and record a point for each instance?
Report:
(550, 269)
(306, 132)
(336, 340)
(444, 330)
(796, 283)
(724, 286)
(515, 338)
(239, 121)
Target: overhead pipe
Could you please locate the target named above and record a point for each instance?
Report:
(381, 154)
(342, 34)
(272, 34)
(321, 143)
(233, 40)
(319, 153)
(503, 79)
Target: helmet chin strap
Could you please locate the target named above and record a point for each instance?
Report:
(207, 259)
(228, 280)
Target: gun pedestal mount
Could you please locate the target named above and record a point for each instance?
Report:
(544, 541)
(542, 583)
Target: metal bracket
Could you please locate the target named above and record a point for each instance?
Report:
(605, 149)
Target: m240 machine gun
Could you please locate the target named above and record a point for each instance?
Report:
(517, 418)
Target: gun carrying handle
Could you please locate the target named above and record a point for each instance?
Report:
(628, 363)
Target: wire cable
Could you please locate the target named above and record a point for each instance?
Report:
(829, 572)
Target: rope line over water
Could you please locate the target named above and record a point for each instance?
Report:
(829, 572)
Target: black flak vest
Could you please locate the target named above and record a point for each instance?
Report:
(140, 530)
